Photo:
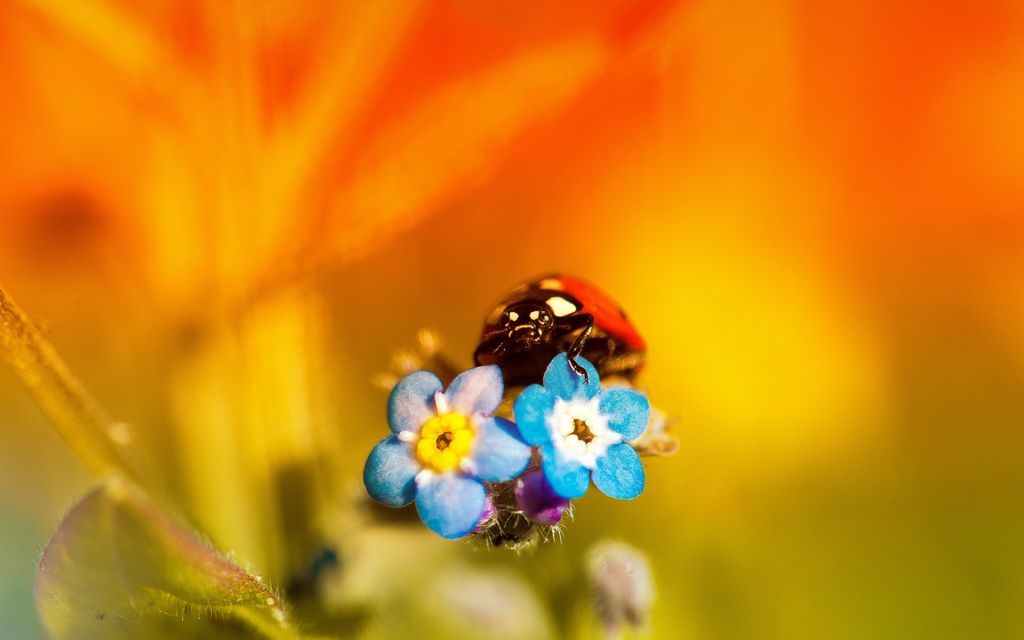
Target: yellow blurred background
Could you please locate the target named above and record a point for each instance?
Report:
(227, 215)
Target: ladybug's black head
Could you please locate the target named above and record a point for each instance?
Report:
(524, 324)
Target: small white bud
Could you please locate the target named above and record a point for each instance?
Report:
(621, 585)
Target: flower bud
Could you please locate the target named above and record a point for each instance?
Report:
(621, 585)
(537, 500)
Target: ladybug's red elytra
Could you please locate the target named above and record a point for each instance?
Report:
(544, 317)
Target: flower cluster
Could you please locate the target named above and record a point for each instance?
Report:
(461, 464)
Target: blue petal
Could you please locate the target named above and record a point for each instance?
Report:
(412, 401)
(532, 408)
(627, 411)
(619, 473)
(562, 381)
(450, 505)
(478, 390)
(390, 471)
(498, 454)
(568, 478)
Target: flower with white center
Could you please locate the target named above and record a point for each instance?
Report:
(583, 431)
(444, 446)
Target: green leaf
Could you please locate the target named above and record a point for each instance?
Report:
(120, 567)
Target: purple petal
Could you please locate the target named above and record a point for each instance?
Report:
(538, 500)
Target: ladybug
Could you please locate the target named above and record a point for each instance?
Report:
(544, 317)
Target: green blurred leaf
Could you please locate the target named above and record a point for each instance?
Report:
(120, 567)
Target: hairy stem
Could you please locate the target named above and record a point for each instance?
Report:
(74, 413)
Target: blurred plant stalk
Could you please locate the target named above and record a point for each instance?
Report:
(74, 413)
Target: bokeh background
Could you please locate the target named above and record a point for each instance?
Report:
(227, 215)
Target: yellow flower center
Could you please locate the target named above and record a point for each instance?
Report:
(444, 441)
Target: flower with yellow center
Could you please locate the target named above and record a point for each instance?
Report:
(444, 441)
(445, 444)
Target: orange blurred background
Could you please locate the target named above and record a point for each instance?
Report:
(812, 211)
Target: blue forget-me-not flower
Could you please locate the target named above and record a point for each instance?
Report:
(583, 431)
(444, 446)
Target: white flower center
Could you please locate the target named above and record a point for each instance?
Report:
(580, 431)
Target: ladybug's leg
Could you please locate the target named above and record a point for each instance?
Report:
(576, 348)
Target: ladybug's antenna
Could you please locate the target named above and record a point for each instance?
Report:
(576, 348)
(579, 370)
